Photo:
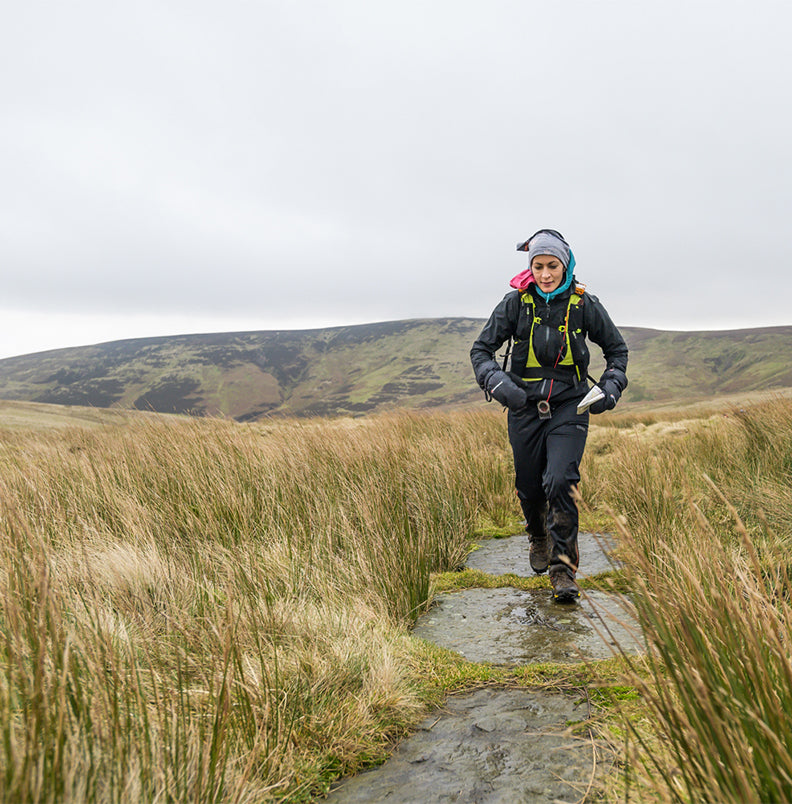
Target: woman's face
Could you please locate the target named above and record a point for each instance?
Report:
(548, 272)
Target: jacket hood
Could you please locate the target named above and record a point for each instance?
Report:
(523, 280)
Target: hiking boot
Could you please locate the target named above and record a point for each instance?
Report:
(565, 590)
(538, 555)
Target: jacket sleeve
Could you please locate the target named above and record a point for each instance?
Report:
(500, 327)
(602, 331)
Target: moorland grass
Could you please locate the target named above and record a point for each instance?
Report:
(206, 611)
(704, 519)
(199, 610)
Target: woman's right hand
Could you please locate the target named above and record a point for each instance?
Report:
(501, 387)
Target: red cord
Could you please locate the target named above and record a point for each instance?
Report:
(561, 351)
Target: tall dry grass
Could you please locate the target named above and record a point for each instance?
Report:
(707, 534)
(204, 611)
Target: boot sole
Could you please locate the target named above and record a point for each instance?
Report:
(566, 596)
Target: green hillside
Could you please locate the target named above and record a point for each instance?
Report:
(669, 366)
(357, 369)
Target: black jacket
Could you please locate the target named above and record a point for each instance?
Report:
(510, 319)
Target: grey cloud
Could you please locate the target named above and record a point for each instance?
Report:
(382, 160)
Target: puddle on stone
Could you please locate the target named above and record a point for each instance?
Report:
(508, 626)
(499, 556)
(490, 747)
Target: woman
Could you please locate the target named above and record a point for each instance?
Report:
(549, 316)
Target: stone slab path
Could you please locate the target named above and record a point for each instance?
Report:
(499, 556)
(493, 746)
(508, 627)
(506, 746)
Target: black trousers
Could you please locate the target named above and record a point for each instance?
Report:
(547, 455)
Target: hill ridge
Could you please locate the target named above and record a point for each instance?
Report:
(359, 368)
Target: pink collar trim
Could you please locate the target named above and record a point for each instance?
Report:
(523, 280)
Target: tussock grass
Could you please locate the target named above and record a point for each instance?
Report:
(199, 610)
(706, 531)
(206, 611)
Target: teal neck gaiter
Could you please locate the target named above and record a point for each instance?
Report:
(564, 285)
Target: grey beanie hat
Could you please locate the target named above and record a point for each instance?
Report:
(547, 243)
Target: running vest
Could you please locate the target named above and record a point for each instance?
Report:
(561, 346)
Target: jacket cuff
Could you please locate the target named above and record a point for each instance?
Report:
(614, 375)
(484, 371)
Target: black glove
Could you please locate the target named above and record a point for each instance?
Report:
(612, 382)
(501, 387)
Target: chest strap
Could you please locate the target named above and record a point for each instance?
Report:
(566, 369)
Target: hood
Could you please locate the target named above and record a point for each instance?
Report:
(523, 280)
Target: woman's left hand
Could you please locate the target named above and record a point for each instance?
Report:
(612, 394)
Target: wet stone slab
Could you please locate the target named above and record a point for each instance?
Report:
(499, 556)
(488, 747)
(511, 627)
(498, 746)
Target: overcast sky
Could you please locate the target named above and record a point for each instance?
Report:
(172, 166)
